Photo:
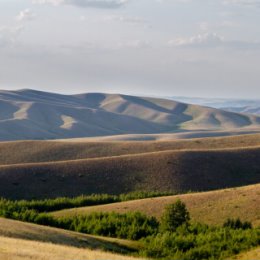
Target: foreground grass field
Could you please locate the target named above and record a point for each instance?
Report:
(18, 249)
(212, 207)
(20, 230)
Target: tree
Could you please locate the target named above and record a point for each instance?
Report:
(237, 224)
(175, 215)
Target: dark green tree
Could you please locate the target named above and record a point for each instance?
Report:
(175, 215)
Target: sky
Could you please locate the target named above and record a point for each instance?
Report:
(202, 48)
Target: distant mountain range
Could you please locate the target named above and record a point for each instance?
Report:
(30, 114)
(233, 105)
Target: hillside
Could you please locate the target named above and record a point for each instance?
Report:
(21, 152)
(246, 106)
(27, 250)
(177, 171)
(253, 254)
(212, 207)
(30, 114)
(27, 231)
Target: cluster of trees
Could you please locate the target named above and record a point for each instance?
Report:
(48, 205)
(174, 237)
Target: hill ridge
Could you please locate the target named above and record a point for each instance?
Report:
(30, 114)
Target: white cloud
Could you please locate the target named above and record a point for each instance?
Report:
(200, 40)
(85, 3)
(249, 3)
(213, 40)
(126, 19)
(25, 15)
(8, 35)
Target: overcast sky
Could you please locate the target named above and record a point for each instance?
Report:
(207, 48)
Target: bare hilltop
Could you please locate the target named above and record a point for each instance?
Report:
(30, 114)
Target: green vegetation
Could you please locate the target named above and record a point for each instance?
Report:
(175, 215)
(175, 237)
(198, 241)
(49, 205)
(237, 224)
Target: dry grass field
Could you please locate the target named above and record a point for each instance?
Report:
(18, 249)
(27, 231)
(21, 152)
(212, 207)
(178, 171)
(250, 255)
(48, 169)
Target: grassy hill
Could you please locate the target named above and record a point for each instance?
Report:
(30, 114)
(26, 231)
(212, 207)
(48, 169)
(177, 171)
(48, 151)
(27, 250)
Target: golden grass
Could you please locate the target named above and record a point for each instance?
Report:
(254, 254)
(28, 231)
(45, 169)
(212, 207)
(47, 151)
(18, 249)
(178, 171)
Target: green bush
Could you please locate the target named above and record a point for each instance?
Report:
(48, 205)
(237, 224)
(175, 215)
(132, 225)
(211, 243)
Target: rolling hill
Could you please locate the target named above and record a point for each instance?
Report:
(40, 242)
(246, 106)
(27, 250)
(178, 171)
(48, 169)
(212, 207)
(30, 114)
(22, 152)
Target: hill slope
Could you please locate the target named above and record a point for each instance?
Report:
(212, 207)
(253, 254)
(30, 114)
(20, 230)
(179, 171)
(50, 151)
(27, 250)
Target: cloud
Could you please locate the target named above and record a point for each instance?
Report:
(85, 3)
(213, 40)
(200, 40)
(8, 35)
(129, 20)
(126, 19)
(249, 3)
(25, 15)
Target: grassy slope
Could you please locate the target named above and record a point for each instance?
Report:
(253, 254)
(28, 231)
(162, 171)
(47, 151)
(27, 250)
(119, 167)
(212, 207)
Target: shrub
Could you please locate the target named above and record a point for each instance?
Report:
(175, 215)
(237, 224)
